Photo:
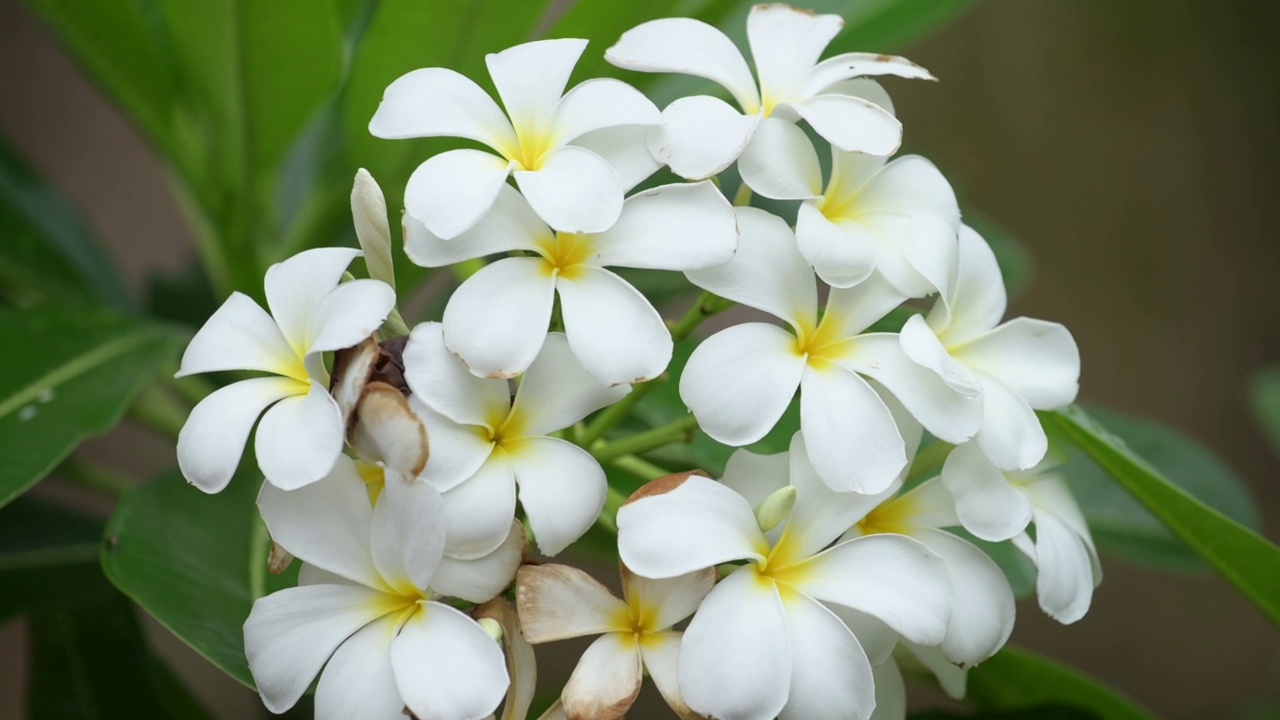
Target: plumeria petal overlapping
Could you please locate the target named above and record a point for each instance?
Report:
(786, 588)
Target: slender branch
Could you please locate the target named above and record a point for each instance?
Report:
(742, 198)
(679, 431)
(704, 307)
(639, 467)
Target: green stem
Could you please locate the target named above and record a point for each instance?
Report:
(608, 519)
(679, 431)
(704, 307)
(259, 552)
(83, 472)
(157, 410)
(639, 467)
(742, 198)
(927, 461)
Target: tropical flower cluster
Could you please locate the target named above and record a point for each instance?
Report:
(423, 475)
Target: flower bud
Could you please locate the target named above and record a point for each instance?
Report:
(369, 211)
(774, 509)
(491, 627)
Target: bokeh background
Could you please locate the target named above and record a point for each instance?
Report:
(1131, 146)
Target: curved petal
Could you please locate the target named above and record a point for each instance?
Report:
(290, 634)
(911, 185)
(987, 505)
(701, 136)
(606, 680)
(457, 451)
(930, 250)
(557, 392)
(1065, 579)
(509, 225)
(626, 149)
(841, 253)
(689, 47)
(297, 287)
(387, 432)
(850, 173)
(697, 524)
(1038, 360)
(891, 577)
(325, 524)
(976, 300)
(951, 679)
(660, 604)
(440, 381)
(497, 320)
(483, 578)
(854, 309)
(239, 335)
(847, 66)
(450, 192)
(756, 477)
(562, 489)
(408, 534)
(212, 439)
(1011, 436)
(531, 77)
(447, 667)
(852, 123)
(614, 332)
(780, 162)
(852, 440)
(357, 681)
(892, 233)
(522, 666)
(739, 381)
(891, 692)
(574, 190)
(683, 226)
(438, 102)
(299, 438)
(786, 42)
(917, 341)
(557, 602)
(735, 660)
(767, 273)
(866, 89)
(598, 104)
(820, 514)
(661, 655)
(348, 314)
(479, 510)
(830, 675)
(982, 610)
(877, 639)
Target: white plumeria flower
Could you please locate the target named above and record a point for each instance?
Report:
(557, 602)
(485, 445)
(1018, 366)
(497, 319)
(997, 505)
(574, 189)
(703, 135)
(891, 691)
(366, 608)
(522, 665)
(763, 644)
(739, 382)
(301, 431)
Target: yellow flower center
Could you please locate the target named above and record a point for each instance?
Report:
(891, 517)
(823, 345)
(375, 478)
(566, 253)
(533, 143)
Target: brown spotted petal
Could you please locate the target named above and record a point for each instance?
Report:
(385, 431)
(351, 371)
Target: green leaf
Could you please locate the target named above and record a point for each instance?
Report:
(1017, 265)
(48, 558)
(198, 579)
(1264, 396)
(48, 253)
(65, 375)
(1016, 679)
(889, 25)
(1246, 559)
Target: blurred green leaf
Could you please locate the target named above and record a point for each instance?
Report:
(1039, 712)
(65, 375)
(889, 25)
(1017, 265)
(49, 254)
(1016, 679)
(1248, 560)
(1264, 396)
(48, 558)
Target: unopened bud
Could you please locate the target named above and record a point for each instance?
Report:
(491, 627)
(369, 211)
(774, 509)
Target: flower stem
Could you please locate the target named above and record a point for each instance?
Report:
(639, 467)
(742, 198)
(679, 431)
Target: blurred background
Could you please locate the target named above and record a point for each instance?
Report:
(1132, 147)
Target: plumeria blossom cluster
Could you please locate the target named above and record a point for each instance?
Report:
(422, 476)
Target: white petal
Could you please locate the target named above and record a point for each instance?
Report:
(767, 273)
(690, 47)
(734, 660)
(562, 489)
(780, 162)
(457, 451)
(296, 289)
(850, 174)
(290, 634)
(739, 381)
(697, 524)
(661, 654)
(299, 438)
(820, 514)
(911, 185)
(481, 579)
(239, 335)
(557, 602)
(854, 309)
(439, 380)
(891, 577)
(701, 136)
(918, 341)
(626, 149)
(358, 682)
(350, 313)
(852, 124)
(557, 392)
(497, 319)
(786, 42)
(438, 102)
(976, 300)
(1011, 436)
(447, 667)
(325, 524)
(877, 639)
(1038, 360)
(387, 432)
(1065, 580)
(479, 510)
(830, 675)
(852, 440)
(672, 227)
(928, 505)
(894, 234)
(841, 253)
(945, 412)
(987, 505)
(574, 190)
(509, 225)
(930, 249)
(891, 692)
(756, 477)
(851, 65)
(408, 533)
(606, 680)
(598, 104)
(521, 663)
(450, 192)
(613, 330)
(668, 601)
(950, 678)
(865, 89)
(531, 77)
(212, 439)
(982, 609)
